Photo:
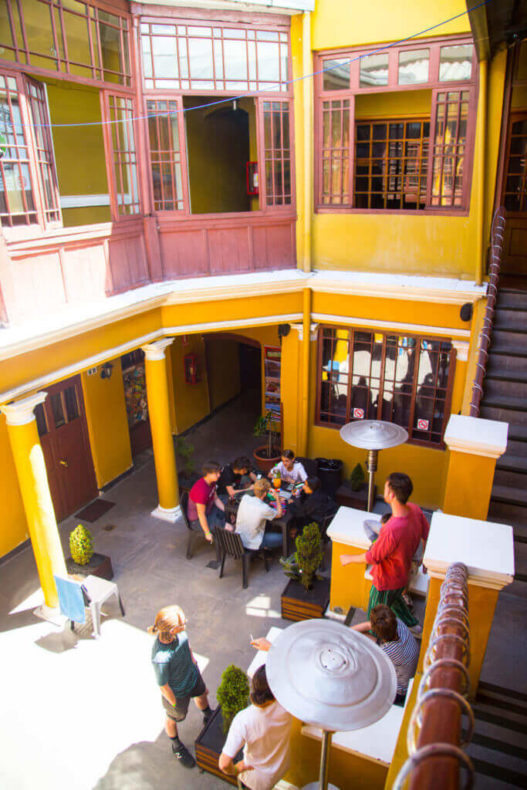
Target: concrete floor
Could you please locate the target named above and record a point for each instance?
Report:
(80, 713)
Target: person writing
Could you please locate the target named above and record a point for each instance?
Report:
(205, 509)
(391, 554)
(291, 471)
(253, 514)
(235, 477)
(177, 675)
(263, 730)
(397, 642)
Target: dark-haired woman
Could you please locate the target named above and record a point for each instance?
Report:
(263, 729)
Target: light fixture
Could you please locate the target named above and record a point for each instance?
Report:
(106, 370)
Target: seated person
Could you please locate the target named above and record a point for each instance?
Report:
(291, 471)
(235, 477)
(397, 642)
(372, 527)
(312, 504)
(205, 509)
(252, 516)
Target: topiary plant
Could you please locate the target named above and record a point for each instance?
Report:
(357, 477)
(81, 545)
(302, 566)
(232, 693)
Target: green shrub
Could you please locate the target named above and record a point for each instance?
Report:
(357, 477)
(81, 545)
(232, 694)
(302, 566)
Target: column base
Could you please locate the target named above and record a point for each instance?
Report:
(167, 514)
(50, 614)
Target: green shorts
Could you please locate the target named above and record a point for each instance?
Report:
(178, 712)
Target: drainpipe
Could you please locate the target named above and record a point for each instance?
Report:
(307, 87)
(482, 112)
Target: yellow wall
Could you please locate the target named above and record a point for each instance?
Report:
(14, 525)
(223, 370)
(392, 105)
(107, 423)
(79, 150)
(191, 401)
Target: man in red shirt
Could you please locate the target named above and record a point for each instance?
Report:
(205, 509)
(391, 554)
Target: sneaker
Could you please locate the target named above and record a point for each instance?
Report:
(184, 756)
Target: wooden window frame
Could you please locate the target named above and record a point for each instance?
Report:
(268, 204)
(522, 211)
(433, 84)
(117, 157)
(61, 60)
(419, 339)
(31, 96)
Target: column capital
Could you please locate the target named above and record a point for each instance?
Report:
(461, 347)
(154, 352)
(22, 412)
(476, 436)
(313, 329)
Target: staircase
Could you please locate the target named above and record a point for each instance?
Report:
(505, 399)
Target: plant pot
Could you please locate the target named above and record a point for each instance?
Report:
(301, 604)
(264, 463)
(99, 565)
(209, 744)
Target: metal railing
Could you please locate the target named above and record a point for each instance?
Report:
(435, 739)
(496, 250)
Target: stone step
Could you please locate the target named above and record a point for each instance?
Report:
(501, 386)
(515, 447)
(510, 297)
(517, 432)
(507, 339)
(508, 495)
(513, 462)
(504, 512)
(510, 479)
(510, 319)
(507, 359)
(504, 410)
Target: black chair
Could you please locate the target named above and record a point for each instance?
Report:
(230, 543)
(193, 535)
(310, 465)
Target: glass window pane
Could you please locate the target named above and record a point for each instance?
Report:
(268, 61)
(72, 408)
(414, 66)
(200, 59)
(373, 70)
(57, 410)
(40, 417)
(455, 62)
(235, 60)
(336, 74)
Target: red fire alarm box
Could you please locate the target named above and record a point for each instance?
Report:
(251, 169)
(192, 368)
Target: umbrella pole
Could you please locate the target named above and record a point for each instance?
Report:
(372, 468)
(324, 759)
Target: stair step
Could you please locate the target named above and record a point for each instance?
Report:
(506, 402)
(513, 463)
(506, 478)
(499, 746)
(501, 773)
(510, 297)
(509, 339)
(503, 412)
(507, 358)
(508, 388)
(512, 496)
(506, 374)
(511, 320)
(518, 432)
(493, 690)
(504, 512)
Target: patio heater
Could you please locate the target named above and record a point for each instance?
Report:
(329, 676)
(373, 435)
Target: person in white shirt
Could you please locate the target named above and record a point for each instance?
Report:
(252, 516)
(264, 730)
(291, 471)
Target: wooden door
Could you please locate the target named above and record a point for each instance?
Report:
(64, 437)
(514, 197)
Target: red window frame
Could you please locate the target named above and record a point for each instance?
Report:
(167, 159)
(514, 192)
(122, 166)
(330, 151)
(353, 400)
(59, 57)
(33, 159)
(274, 159)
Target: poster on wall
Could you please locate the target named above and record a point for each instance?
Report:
(272, 368)
(134, 382)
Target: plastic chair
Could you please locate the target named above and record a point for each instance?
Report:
(230, 543)
(74, 596)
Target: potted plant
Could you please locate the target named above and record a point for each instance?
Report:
(307, 593)
(233, 696)
(84, 561)
(267, 455)
(187, 475)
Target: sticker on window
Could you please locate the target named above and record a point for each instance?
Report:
(358, 414)
(423, 425)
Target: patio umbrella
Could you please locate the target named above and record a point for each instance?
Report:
(373, 435)
(327, 675)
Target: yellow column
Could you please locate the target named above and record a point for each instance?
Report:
(474, 446)
(162, 441)
(487, 550)
(36, 496)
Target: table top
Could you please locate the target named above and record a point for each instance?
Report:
(347, 527)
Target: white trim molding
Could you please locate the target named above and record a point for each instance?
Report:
(396, 326)
(167, 514)
(155, 352)
(476, 436)
(22, 412)
(313, 331)
(461, 347)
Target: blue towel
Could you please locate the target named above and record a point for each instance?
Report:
(71, 600)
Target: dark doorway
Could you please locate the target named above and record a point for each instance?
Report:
(134, 383)
(219, 146)
(251, 370)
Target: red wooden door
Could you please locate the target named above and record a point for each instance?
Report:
(64, 438)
